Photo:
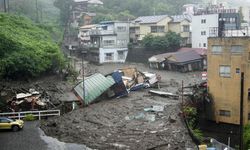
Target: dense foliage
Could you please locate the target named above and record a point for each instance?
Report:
(170, 42)
(130, 9)
(26, 50)
(246, 136)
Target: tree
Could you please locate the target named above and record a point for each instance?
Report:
(65, 7)
(170, 42)
(174, 40)
(147, 41)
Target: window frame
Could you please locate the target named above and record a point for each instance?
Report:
(237, 47)
(225, 74)
(224, 113)
(216, 51)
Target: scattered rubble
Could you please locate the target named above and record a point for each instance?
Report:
(137, 120)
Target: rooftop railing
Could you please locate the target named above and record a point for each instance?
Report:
(217, 32)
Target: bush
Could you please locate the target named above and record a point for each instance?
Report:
(170, 42)
(246, 136)
(29, 117)
(26, 50)
(198, 134)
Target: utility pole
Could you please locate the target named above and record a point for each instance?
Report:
(4, 5)
(83, 84)
(241, 110)
(37, 15)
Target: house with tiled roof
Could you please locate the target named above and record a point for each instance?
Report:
(160, 25)
(155, 25)
(182, 61)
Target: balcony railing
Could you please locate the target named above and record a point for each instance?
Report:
(217, 32)
(101, 32)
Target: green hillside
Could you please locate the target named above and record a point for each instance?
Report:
(26, 50)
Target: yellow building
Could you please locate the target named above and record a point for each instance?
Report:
(227, 58)
(181, 24)
(159, 26)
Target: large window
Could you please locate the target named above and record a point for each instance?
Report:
(109, 56)
(157, 29)
(121, 29)
(225, 113)
(216, 49)
(236, 49)
(108, 42)
(186, 28)
(122, 42)
(225, 71)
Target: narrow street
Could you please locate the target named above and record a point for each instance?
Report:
(33, 138)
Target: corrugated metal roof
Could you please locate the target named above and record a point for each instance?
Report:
(179, 18)
(150, 19)
(95, 85)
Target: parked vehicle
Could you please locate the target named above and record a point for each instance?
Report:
(14, 125)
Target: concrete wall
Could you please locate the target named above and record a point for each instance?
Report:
(199, 40)
(114, 51)
(226, 90)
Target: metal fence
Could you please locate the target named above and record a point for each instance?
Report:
(216, 32)
(220, 146)
(39, 114)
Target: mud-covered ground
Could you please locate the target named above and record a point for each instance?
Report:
(123, 123)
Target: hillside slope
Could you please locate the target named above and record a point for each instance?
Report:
(25, 49)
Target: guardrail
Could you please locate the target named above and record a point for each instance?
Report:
(39, 114)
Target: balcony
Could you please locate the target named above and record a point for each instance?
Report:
(97, 32)
(216, 32)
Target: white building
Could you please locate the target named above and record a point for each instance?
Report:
(109, 42)
(212, 20)
(200, 29)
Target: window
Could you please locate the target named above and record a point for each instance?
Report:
(108, 42)
(203, 32)
(236, 49)
(109, 56)
(153, 29)
(121, 29)
(225, 71)
(186, 28)
(248, 95)
(121, 42)
(157, 29)
(204, 44)
(203, 21)
(121, 55)
(225, 113)
(216, 49)
(248, 116)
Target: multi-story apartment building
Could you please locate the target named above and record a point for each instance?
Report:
(108, 42)
(228, 56)
(155, 25)
(159, 26)
(204, 20)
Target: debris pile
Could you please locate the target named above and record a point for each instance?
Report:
(116, 84)
(44, 93)
(29, 101)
